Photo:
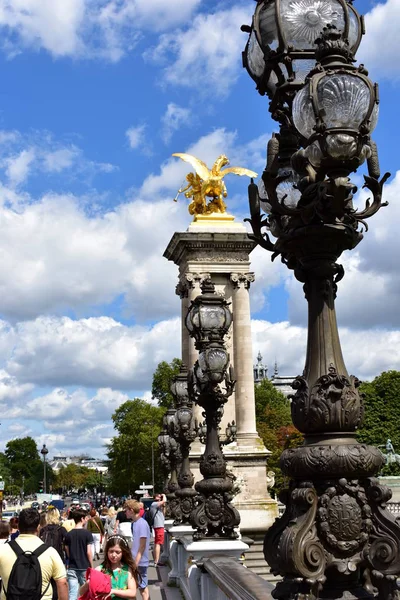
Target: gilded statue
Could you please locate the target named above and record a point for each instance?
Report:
(208, 184)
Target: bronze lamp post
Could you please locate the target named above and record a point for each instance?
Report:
(336, 539)
(211, 383)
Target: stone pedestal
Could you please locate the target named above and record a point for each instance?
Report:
(174, 551)
(168, 524)
(193, 582)
(219, 248)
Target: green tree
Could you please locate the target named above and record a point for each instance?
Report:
(138, 424)
(162, 380)
(274, 426)
(24, 464)
(75, 477)
(381, 421)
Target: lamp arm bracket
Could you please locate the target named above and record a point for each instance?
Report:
(376, 187)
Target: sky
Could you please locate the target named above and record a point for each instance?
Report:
(95, 96)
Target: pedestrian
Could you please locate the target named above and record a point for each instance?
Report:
(28, 542)
(123, 524)
(120, 566)
(96, 528)
(157, 509)
(14, 532)
(109, 525)
(78, 550)
(53, 533)
(4, 531)
(140, 545)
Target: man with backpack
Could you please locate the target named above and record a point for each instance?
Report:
(28, 566)
(156, 519)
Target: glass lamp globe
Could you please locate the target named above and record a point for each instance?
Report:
(289, 28)
(332, 111)
(179, 387)
(209, 316)
(213, 363)
(286, 190)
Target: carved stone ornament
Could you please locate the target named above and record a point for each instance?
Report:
(188, 281)
(242, 280)
(332, 405)
(344, 460)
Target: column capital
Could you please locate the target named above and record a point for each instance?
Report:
(188, 281)
(242, 280)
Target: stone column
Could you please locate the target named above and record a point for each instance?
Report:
(243, 359)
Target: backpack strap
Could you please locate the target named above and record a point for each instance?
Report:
(40, 550)
(16, 547)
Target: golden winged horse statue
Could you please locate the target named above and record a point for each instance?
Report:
(208, 184)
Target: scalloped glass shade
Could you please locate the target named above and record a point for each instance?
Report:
(343, 100)
(302, 68)
(268, 28)
(303, 113)
(286, 188)
(255, 56)
(304, 20)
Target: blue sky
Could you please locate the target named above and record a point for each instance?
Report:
(95, 96)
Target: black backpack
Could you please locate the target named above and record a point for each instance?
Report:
(25, 581)
(149, 516)
(52, 535)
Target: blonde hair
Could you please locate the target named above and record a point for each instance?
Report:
(133, 505)
(53, 516)
(112, 512)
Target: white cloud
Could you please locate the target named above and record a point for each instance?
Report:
(18, 167)
(105, 29)
(174, 118)
(382, 24)
(136, 136)
(207, 55)
(61, 159)
(366, 352)
(90, 352)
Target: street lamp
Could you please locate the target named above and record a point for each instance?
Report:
(208, 320)
(44, 451)
(336, 538)
(184, 431)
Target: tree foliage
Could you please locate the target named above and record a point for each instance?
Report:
(76, 477)
(381, 421)
(162, 380)
(22, 467)
(138, 424)
(274, 425)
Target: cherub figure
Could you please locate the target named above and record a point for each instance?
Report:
(208, 184)
(198, 206)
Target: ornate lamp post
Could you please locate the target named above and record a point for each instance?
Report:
(208, 320)
(44, 451)
(336, 539)
(175, 458)
(184, 432)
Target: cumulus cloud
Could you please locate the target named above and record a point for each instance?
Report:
(382, 23)
(90, 352)
(366, 352)
(86, 28)
(136, 136)
(174, 118)
(38, 153)
(207, 54)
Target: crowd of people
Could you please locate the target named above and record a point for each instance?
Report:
(63, 549)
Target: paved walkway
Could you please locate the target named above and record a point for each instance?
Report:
(159, 590)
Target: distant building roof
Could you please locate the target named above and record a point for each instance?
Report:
(283, 383)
